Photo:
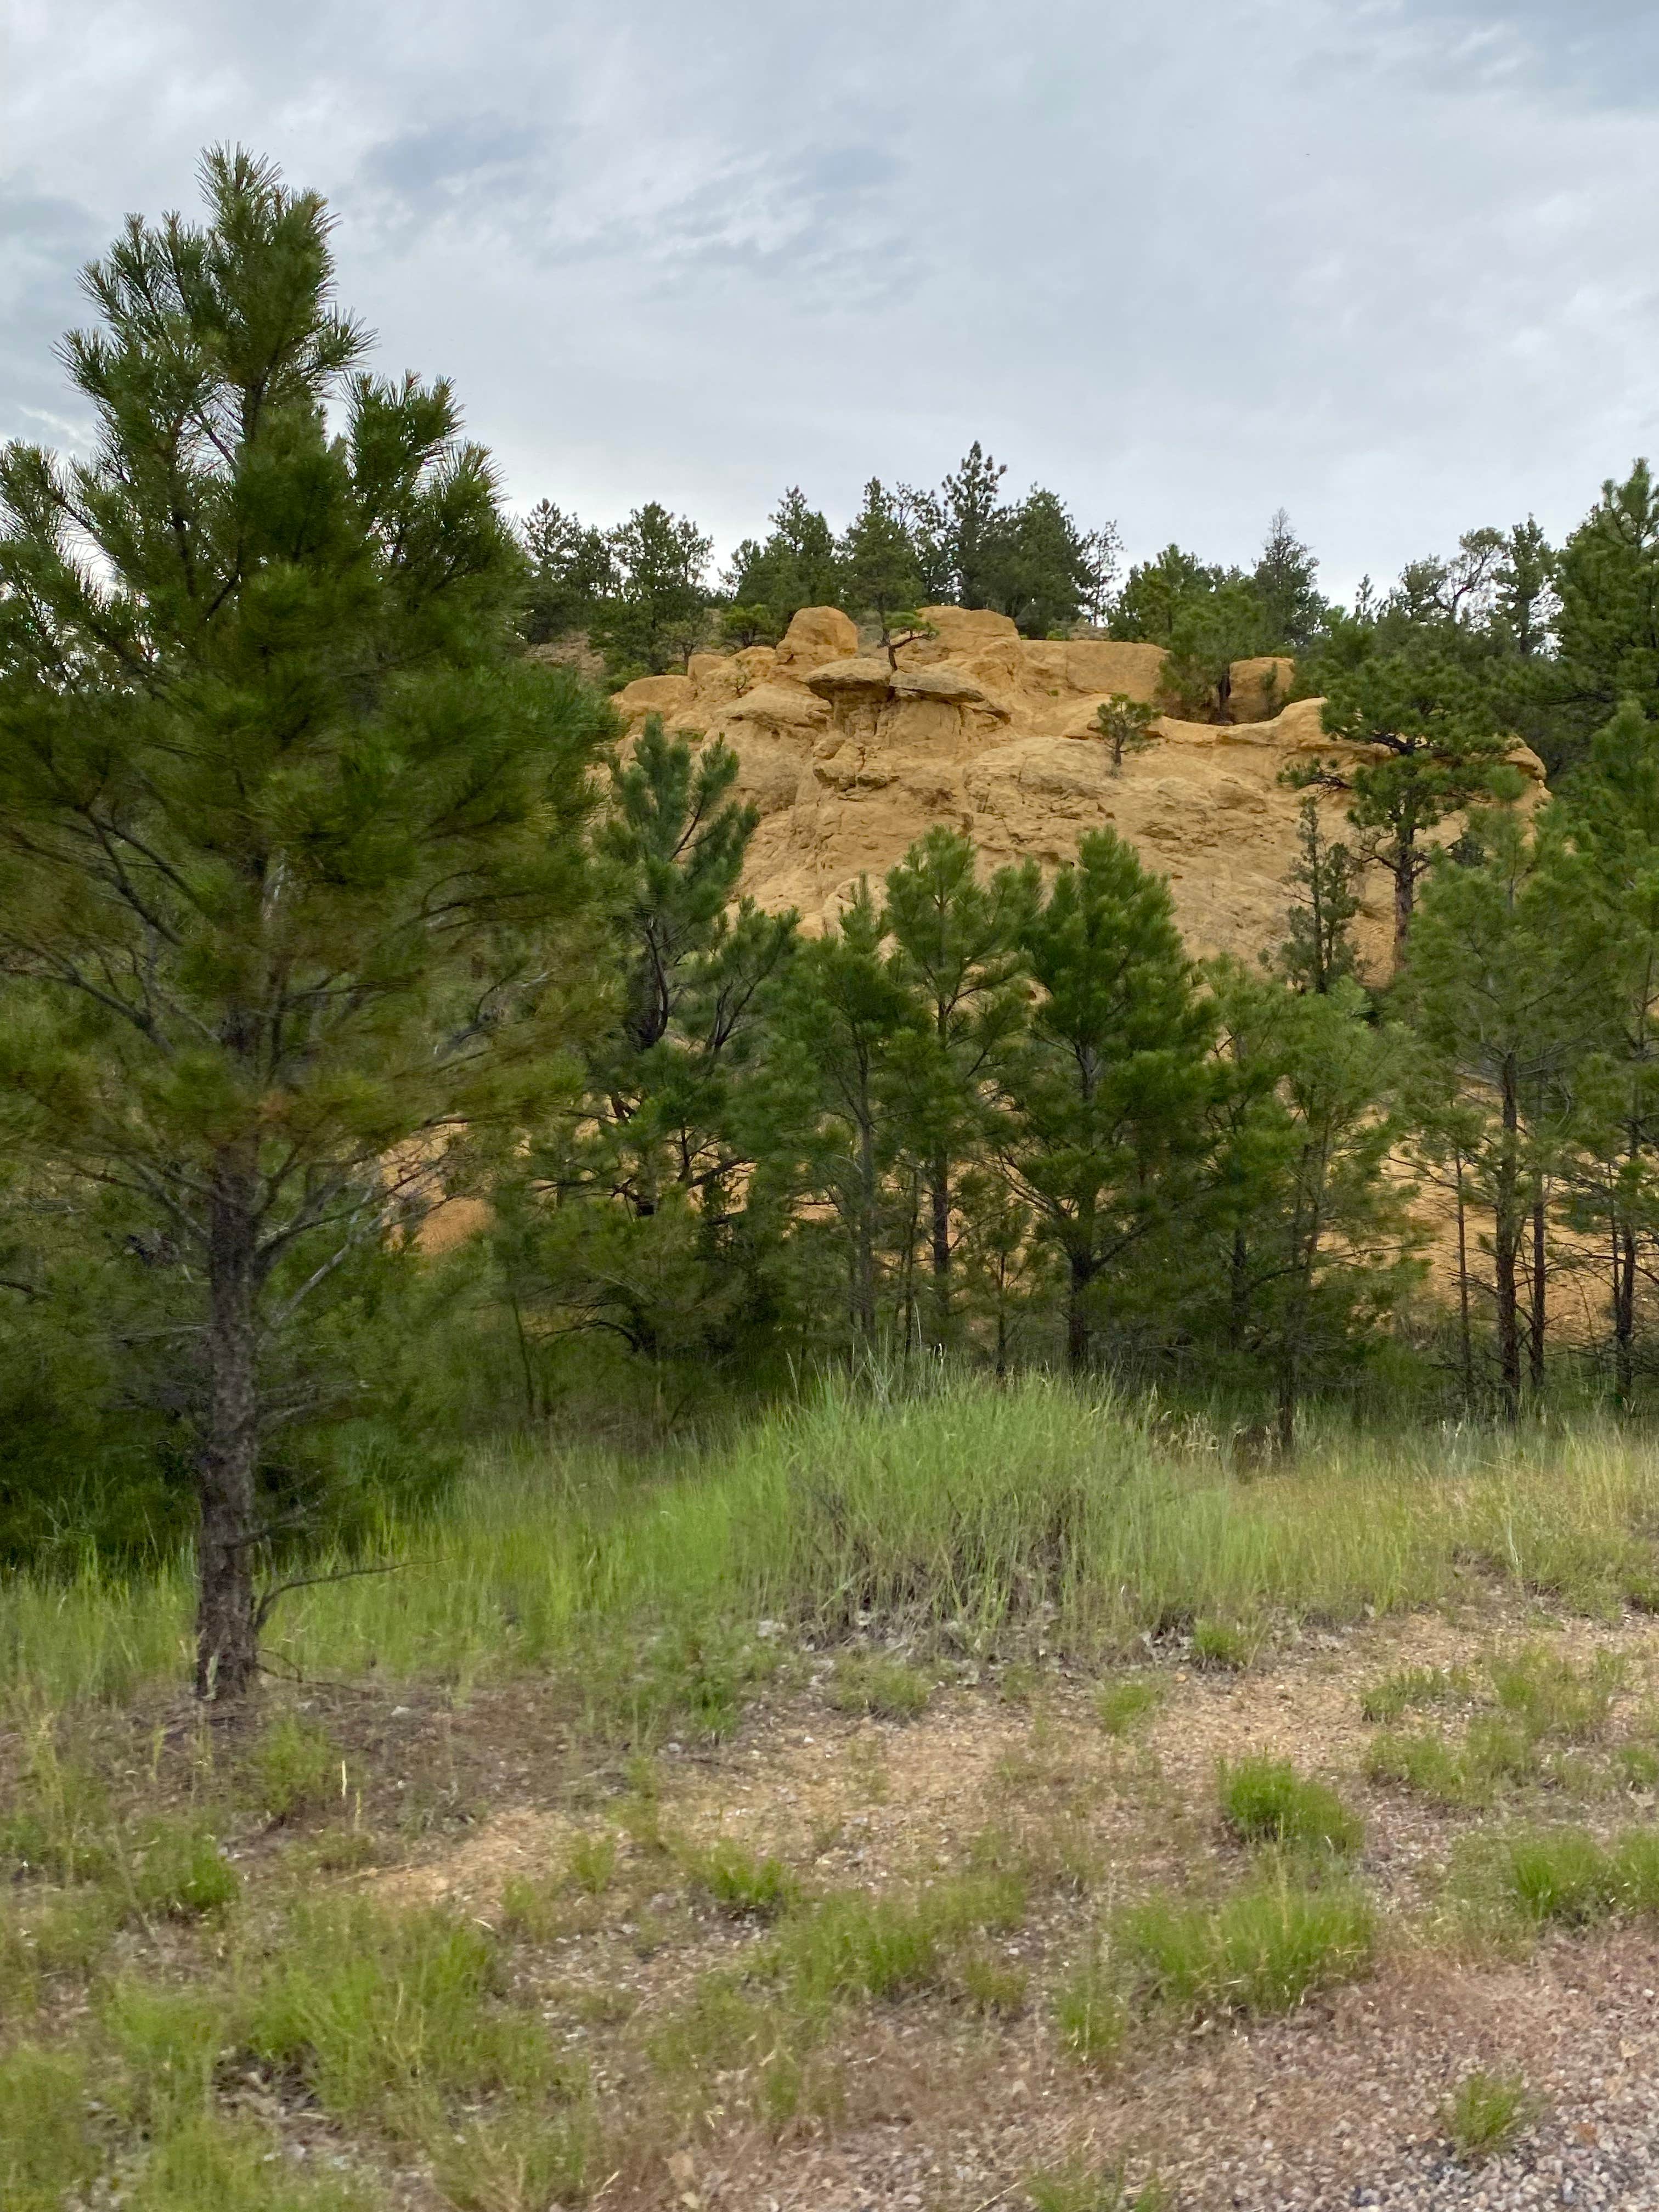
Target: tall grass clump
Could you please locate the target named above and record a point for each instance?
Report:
(944, 1507)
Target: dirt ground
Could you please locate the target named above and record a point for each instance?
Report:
(943, 2109)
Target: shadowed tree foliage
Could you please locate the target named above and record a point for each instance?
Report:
(1102, 1099)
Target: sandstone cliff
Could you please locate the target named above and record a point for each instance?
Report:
(848, 761)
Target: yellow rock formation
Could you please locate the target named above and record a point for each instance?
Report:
(849, 760)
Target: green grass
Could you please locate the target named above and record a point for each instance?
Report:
(1081, 2186)
(1485, 2114)
(852, 1944)
(1090, 2015)
(1261, 1950)
(1412, 1688)
(377, 2013)
(47, 2148)
(520, 2159)
(1562, 1876)
(292, 1768)
(1222, 1647)
(959, 1513)
(742, 1884)
(1551, 1697)
(1265, 1801)
(216, 2165)
(886, 1689)
(1121, 1705)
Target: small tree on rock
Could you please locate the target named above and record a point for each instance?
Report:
(1126, 726)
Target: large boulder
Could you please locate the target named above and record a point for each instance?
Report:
(815, 636)
(1260, 687)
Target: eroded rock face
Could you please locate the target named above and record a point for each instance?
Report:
(849, 760)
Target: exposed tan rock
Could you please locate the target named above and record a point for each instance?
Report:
(1260, 687)
(849, 760)
(656, 695)
(817, 634)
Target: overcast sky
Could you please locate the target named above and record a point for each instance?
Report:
(1388, 263)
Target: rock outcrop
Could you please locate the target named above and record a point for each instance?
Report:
(848, 760)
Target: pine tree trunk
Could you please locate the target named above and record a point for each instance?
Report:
(1624, 1311)
(1081, 1276)
(939, 1192)
(1405, 898)
(1538, 1318)
(864, 1242)
(227, 1649)
(1506, 1245)
(1466, 1334)
(1238, 1297)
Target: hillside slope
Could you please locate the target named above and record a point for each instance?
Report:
(849, 763)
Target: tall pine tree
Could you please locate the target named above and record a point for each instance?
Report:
(284, 824)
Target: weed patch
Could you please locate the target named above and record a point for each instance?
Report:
(1487, 2112)
(740, 1884)
(1121, 1706)
(1411, 1689)
(853, 1945)
(883, 1688)
(292, 1768)
(212, 2165)
(47, 2151)
(375, 2011)
(1220, 1647)
(1265, 1801)
(522, 2159)
(1090, 2015)
(1081, 2187)
(1261, 1951)
(176, 1869)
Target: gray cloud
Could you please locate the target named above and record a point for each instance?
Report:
(1384, 263)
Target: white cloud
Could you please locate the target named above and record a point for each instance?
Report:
(1384, 264)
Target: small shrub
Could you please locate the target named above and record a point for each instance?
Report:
(1262, 1950)
(1091, 2016)
(1119, 1705)
(1220, 1647)
(178, 1870)
(1412, 1688)
(1487, 2112)
(293, 1768)
(741, 1885)
(990, 1985)
(887, 1689)
(47, 2147)
(1551, 1697)
(1265, 1801)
